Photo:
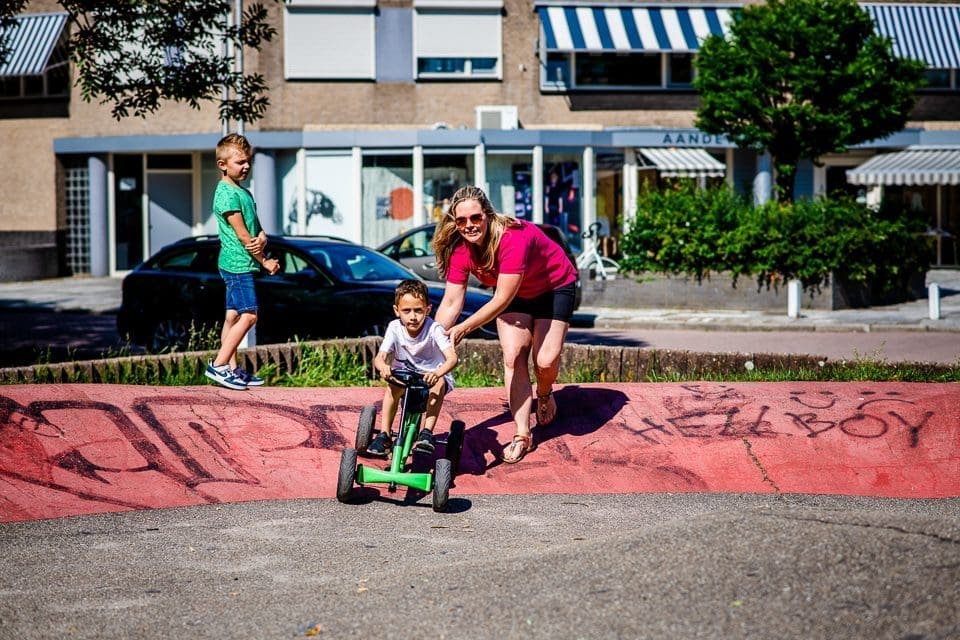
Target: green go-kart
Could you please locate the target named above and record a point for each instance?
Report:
(400, 472)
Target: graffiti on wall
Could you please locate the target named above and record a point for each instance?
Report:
(97, 450)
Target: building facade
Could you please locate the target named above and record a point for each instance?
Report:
(381, 109)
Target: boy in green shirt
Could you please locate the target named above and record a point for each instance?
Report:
(242, 242)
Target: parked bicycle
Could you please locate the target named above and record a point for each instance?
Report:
(599, 267)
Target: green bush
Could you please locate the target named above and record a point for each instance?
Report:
(685, 230)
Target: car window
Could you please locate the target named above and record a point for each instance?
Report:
(354, 263)
(294, 263)
(416, 245)
(187, 260)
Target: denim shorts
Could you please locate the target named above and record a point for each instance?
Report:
(241, 295)
(552, 305)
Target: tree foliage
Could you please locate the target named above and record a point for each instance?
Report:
(137, 54)
(802, 78)
(696, 232)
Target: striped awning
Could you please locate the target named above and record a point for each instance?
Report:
(30, 43)
(673, 162)
(915, 165)
(630, 28)
(926, 32)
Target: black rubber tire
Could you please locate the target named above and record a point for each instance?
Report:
(368, 417)
(455, 446)
(169, 335)
(442, 477)
(348, 471)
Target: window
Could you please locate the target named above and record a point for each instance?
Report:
(387, 195)
(329, 39)
(941, 79)
(458, 40)
(617, 71)
(37, 65)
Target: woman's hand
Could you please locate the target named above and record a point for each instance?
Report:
(458, 332)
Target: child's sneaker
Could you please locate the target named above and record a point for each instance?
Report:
(378, 448)
(223, 376)
(249, 378)
(424, 442)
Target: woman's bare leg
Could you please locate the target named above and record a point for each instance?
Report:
(516, 336)
(548, 339)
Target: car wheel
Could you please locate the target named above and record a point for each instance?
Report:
(375, 330)
(169, 334)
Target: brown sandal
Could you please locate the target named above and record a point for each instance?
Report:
(544, 415)
(525, 443)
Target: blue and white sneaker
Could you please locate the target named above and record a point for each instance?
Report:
(249, 378)
(223, 376)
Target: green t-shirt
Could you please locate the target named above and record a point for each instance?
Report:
(233, 257)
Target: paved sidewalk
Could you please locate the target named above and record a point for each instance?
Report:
(103, 295)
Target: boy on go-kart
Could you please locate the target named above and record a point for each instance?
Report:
(416, 343)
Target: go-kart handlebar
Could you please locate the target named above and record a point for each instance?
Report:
(405, 378)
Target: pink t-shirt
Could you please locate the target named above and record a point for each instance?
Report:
(525, 250)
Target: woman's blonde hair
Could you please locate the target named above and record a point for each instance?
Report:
(446, 237)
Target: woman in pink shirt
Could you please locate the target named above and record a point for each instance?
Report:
(532, 302)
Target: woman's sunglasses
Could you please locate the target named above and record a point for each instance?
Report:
(474, 219)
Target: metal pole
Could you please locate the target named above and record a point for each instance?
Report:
(225, 93)
(238, 60)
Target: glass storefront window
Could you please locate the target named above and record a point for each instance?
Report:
(562, 190)
(510, 188)
(387, 196)
(443, 174)
(329, 196)
(608, 197)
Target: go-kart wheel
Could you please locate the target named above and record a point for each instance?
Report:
(455, 446)
(441, 485)
(348, 471)
(368, 416)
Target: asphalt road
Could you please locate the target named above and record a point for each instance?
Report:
(556, 566)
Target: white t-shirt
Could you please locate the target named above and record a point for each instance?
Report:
(422, 353)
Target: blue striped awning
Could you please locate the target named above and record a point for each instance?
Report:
(630, 28)
(30, 42)
(925, 32)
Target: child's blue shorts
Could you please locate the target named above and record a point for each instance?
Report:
(241, 295)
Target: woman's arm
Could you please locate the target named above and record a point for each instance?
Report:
(507, 286)
(451, 305)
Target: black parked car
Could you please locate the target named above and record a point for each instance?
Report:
(413, 249)
(326, 288)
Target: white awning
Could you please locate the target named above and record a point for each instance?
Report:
(675, 162)
(915, 165)
(31, 41)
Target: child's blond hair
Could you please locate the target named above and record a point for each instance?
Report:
(233, 142)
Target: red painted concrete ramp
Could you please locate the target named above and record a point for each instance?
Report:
(80, 449)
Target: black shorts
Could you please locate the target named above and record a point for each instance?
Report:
(552, 305)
